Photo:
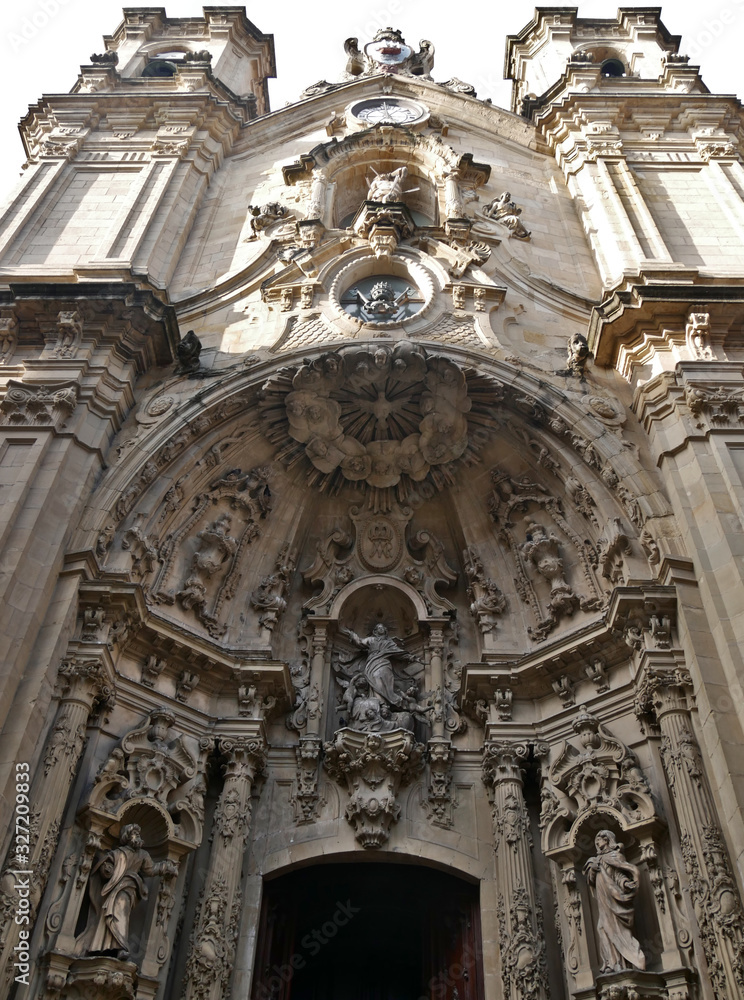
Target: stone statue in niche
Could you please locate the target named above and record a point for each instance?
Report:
(615, 883)
(116, 886)
(388, 187)
(372, 699)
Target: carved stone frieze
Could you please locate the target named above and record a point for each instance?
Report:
(614, 545)
(306, 794)
(440, 798)
(8, 335)
(152, 668)
(143, 551)
(374, 766)
(538, 551)
(101, 978)
(149, 765)
(721, 407)
(69, 331)
(330, 568)
(381, 543)
(524, 966)
(697, 336)
(541, 550)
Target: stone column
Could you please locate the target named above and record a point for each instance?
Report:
(319, 643)
(436, 652)
(522, 940)
(317, 203)
(453, 208)
(713, 888)
(217, 919)
(84, 682)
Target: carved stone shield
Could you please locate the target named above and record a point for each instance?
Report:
(380, 543)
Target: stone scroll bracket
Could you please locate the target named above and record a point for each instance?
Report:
(374, 767)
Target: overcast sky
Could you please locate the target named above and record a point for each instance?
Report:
(45, 41)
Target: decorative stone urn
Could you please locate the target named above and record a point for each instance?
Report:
(375, 766)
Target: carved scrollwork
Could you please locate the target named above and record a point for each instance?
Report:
(604, 775)
(207, 559)
(270, 597)
(374, 767)
(487, 601)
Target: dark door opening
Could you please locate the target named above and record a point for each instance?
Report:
(369, 932)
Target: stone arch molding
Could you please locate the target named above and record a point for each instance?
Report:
(182, 508)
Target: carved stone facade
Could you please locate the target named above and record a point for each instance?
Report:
(372, 491)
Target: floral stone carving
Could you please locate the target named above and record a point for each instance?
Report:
(375, 766)
(148, 765)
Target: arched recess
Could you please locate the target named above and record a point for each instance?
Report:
(218, 480)
(324, 929)
(339, 170)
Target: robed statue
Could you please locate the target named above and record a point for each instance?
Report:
(615, 883)
(116, 886)
(371, 698)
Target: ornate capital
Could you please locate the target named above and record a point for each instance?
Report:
(662, 692)
(245, 756)
(84, 679)
(503, 761)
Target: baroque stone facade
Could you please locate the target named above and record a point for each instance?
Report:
(377, 508)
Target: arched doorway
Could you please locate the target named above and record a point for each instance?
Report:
(369, 931)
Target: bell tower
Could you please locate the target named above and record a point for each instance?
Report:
(559, 53)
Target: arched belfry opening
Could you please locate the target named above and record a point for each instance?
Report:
(369, 932)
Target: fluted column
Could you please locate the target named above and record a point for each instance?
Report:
(212, 945)
(522, 940)
(84, 682)
(713, 888)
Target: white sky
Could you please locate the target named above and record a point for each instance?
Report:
(44, 42)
